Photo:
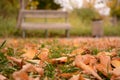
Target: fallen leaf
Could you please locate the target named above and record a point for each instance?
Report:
(2, 77)
(116, 74)
(105, 60)
(78, 51)
(17, 61)
(44, 54)
(115, 63)
(20, 75)
(23, 73)
(65, 75)
(102, 69)
(85, 67)
(28, 68)
(116, 71)
(77, 77)
(60, 60)
(29, 53)
(115, 78)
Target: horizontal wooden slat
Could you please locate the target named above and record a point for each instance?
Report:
(44, 13)
(45, 26)
(43, 16)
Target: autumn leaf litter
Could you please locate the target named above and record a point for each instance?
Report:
(60, 59)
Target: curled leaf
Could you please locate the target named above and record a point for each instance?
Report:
(59, 60)
(78, 51)
(17, 61)
(85, 67)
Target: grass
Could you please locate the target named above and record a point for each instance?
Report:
(79, 28)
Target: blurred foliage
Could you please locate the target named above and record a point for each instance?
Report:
(115, 8)
(32, 4)
(42, 4)
(8, 7)
(47, 4)
(87, 14)
(11, 7)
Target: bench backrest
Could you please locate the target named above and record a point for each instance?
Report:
(23, 14)
(44, 14)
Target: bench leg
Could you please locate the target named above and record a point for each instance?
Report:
(67, 33)
(46, 33)
(23, 34)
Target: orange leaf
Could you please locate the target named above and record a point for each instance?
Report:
(105, 60)
(30, 53)
(115, 63)
(83, 66)
(44, 54)
(20, 75)
(60, 60)
(102, 69)
(65, 75)
(78, 51)
(77, 77)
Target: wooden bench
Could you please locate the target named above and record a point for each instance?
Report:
(46, 25)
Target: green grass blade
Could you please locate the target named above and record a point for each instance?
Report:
(2, 44)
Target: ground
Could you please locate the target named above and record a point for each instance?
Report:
(83, 58)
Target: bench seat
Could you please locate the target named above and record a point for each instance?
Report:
(45, 26)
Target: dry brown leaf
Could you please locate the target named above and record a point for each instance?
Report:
(2, 77)
(85, 67)
(105, 63)
(37, 78)
(31, 68)
(116, 74)
(105, 60)
(77, 77)
(17, 61)
(44, 54)
(113, 53)
(102, 69)
(30, 53)
(115, 78)
(65, 75)
(89, 59)
(115, 63)
(116, 71)
(78, 51)
(28, 68)
(81, 77)
(20, 75)
(60, 60)
(40, 70)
